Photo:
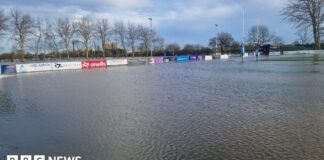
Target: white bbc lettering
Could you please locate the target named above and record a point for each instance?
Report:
(12, 157)
(64, 158)
(39, 157)
(25, 157)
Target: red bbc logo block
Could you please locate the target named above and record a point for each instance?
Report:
(26, 157)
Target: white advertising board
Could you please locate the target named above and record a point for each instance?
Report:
(66, 66)
(117, 62)
(33, 67)
(224, 57)
(208, 58)
(274, 53)
(303, 52)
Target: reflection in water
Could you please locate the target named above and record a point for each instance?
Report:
(7, 108)
(209, 110)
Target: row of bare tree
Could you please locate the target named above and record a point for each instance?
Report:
(46, 36)
(305, 14)
(257, 36)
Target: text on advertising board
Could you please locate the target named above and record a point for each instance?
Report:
(94, 64)
(66, 65)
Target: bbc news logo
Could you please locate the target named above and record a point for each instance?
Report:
(41, 157)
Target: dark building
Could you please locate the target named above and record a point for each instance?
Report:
(265, 49)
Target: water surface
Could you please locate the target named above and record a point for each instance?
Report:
(201, 110)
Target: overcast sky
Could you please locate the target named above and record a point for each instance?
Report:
(181, 21)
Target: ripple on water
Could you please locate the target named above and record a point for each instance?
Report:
(7, 107)
(212, 110)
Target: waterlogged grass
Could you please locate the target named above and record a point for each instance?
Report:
(314, 58)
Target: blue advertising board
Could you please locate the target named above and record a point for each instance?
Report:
(8, 69)
(182, 58)
(169, 58)
(194, 58)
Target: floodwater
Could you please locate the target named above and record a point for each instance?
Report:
(200, 110)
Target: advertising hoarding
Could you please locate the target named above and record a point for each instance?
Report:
(8, 69)
(166, 60)
(224, 57)
(274, 53)
(33, 67)
(66, 66)
(117, 62)
(92, 64)
(182, 58)
(158, 60)
(151, 60)
(193, 58)
(208, 58)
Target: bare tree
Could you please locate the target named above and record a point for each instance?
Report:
(102, 29)
(303, 37)
(159, 44)
(23, 26)
(225, 40)
(85, 29)
(65, 30)
(132, 36)
(3, 22)
(51, 39)
(145, 37)
(188, 48)
(116, 40)
(38, 37)
(276, 40)
(259, 35)
(306, 13)
(198, 48)
(213, 42)
(120, 30)
(173, 47)
(3, 25)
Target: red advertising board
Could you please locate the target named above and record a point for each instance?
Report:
(91, 64)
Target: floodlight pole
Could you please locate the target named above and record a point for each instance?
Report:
(151, 35)
(243, 40)
(216, 25)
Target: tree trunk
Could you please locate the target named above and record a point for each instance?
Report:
(37, 53)
(59, 54)
(22, 55)
(103, 50)
(318, 37)
(316, 34)
(222, 50)
(125, 50)
(22, 51)
(53, 54)
(146, 50)
(133, 50)
(68, 54)
(87, 52)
